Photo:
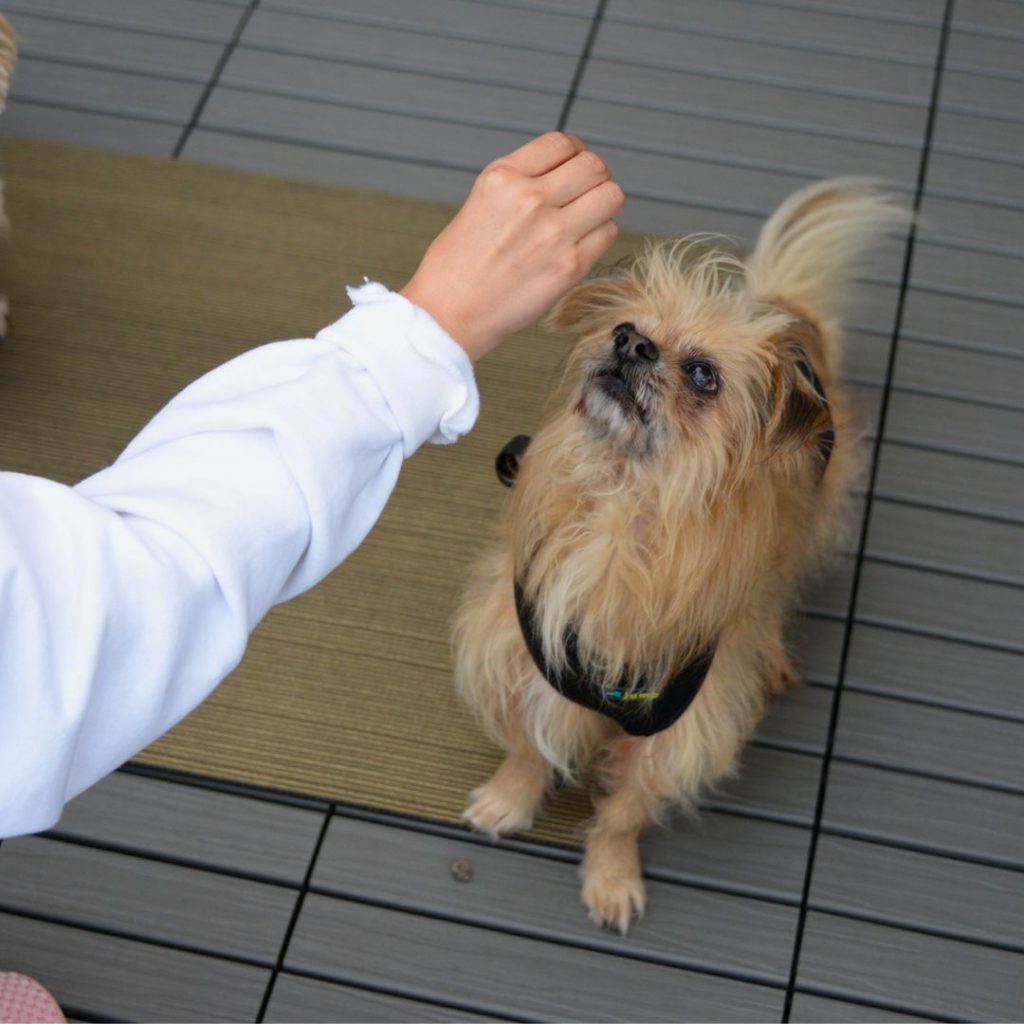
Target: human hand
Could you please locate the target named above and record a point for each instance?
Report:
(534, 223)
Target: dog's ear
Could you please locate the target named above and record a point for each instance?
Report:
(799, 416)
(592, 300)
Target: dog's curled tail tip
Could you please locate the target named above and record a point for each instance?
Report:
(811, 247)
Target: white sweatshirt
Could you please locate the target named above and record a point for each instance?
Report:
(126, 599)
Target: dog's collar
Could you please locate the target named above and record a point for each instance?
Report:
(640, 711)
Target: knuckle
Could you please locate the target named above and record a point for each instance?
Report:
(594, 164)
(496, 176)
(616, 195)
(559, 142)
(550, 233)
(529, 200)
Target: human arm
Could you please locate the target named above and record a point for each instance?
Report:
(126, 599)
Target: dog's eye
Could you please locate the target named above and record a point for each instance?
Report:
(701, 375)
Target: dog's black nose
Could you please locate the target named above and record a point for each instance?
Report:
(646, 349)
(630, 344)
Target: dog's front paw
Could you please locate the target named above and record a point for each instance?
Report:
(500, 809)
(613, 885)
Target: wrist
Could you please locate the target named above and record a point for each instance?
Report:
(458, 327)
(425, 377)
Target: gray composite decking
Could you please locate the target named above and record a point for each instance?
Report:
(868, 862)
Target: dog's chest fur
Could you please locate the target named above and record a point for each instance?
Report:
(601, 566)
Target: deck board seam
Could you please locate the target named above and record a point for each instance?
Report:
(293, 921)
(851, 616)
(218, 70)
(816, 46)
(552, 938)
(581, 64)
(929, 849)
(95, 928)
(365, 986)
(101, 22)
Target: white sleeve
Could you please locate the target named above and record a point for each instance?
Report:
(126, 599)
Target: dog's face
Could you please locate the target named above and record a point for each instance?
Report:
(678, 370)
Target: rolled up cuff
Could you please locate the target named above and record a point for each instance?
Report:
(425, 377)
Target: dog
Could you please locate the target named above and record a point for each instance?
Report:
(632, 613)
(8, 57)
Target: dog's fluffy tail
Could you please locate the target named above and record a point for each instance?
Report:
(813, 244)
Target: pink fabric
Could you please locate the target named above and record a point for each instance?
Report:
(24, 1001)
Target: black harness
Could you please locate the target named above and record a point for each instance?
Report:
(640, 711)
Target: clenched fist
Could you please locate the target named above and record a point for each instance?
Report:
(534, 224)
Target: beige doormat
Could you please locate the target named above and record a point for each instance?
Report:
(128, 278)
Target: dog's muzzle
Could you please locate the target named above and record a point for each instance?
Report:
(623, 375)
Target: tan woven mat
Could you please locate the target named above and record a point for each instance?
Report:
(128, 277)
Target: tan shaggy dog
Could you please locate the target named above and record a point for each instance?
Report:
(666, 516)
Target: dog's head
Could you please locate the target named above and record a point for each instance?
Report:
(680, 369)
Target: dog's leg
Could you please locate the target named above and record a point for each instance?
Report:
(510, 800)
(613, 888)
